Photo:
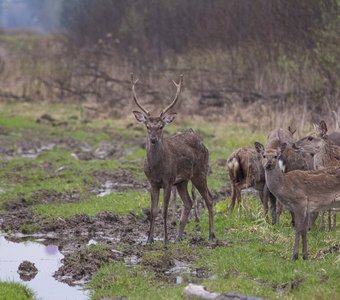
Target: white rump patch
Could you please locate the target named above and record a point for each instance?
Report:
(282, 166)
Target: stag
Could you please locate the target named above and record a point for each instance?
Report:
(301, 192)
(174, 160)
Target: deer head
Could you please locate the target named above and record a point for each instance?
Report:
(155, 125)
(269, 156)
(312, 142)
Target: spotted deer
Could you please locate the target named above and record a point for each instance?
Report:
(173, 160)
(301, 192)
(245, 170)
(326, 154)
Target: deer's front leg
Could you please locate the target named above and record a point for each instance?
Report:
(166, 200)
(153, 211)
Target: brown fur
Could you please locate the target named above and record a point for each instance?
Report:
(274, 139)
(302, 192)
(174, 160)
(245, 170)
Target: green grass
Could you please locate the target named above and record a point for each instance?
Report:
(253, 258)
(134, 283)
(15, 291)
(117, 203)
(259, 259)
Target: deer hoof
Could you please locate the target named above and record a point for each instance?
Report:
(295, 257)
(305, 256)
(212, 236)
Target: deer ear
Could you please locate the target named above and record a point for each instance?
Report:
(259, 147)
(168, 118)
(323, 127)
(292, 130)
(140, 117)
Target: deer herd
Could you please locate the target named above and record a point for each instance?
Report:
(302, 176)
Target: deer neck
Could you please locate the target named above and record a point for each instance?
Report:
(156, 156)
(275, 180)
(324, 156)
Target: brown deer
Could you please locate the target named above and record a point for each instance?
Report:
(174, 160)
(301, 192)
(327, 154)
(245, 170)
(275, 138)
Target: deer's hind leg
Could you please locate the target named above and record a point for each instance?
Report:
(174, 205)
(182, 189)
(166, 200)
(201, 185)
(195, 203)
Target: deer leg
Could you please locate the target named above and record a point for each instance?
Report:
(195, 202)
(264, 199)
(174, 205)
(304, 243)
(166, 200)
(312, 218)
(272, 201)
(322, 224)
(202, 187)
(233, 196)
(304, 235)
(153, 211)
(182, 189)
(301, 225)
(334, 220)
(329, 220)
(279, 208)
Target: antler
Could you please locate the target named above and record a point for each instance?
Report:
(178, 87)
(133, 83)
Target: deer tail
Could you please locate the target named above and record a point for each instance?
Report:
(234, 168)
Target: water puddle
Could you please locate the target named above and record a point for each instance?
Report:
(109, 187)
(46, 259)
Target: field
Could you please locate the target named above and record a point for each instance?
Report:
(81, 184)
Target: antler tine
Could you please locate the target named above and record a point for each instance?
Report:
(178, 87)
(133, 83)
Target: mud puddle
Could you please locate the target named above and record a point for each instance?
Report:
(46, 259)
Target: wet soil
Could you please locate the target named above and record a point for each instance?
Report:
(88, 242)
(75, 237)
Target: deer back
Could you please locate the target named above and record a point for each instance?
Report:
(335, 137)
(244, 166)
(277, 137)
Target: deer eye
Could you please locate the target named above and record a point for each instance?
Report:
(275, 156)
(148, 126)
(310, 138)
(264, 156)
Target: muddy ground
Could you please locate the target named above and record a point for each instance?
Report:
(88, 242)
